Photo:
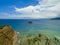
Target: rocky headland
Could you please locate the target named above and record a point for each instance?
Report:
(8, 36)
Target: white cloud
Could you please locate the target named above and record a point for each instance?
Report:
(55, 8)
(45, 9)
(48, 2)
(25, 10)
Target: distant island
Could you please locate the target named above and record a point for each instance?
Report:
(57, 18)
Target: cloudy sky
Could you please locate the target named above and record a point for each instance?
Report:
(31, 9)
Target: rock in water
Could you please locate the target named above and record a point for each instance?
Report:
(8, 36)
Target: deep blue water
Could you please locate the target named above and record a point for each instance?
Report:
(22, 25)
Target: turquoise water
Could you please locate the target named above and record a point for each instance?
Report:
(38, 25)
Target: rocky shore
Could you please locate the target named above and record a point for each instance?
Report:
(8, 36)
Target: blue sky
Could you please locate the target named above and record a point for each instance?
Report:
(18, 9)
(7, 5)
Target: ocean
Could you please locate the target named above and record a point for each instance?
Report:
(46, 26)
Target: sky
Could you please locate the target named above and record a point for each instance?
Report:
(29, 9)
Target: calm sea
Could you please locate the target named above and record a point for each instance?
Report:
(37, 25)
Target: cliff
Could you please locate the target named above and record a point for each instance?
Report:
(8, 36)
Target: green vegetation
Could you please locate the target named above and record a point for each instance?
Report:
(39, 39)
(1, 27)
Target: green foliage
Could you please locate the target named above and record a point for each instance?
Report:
(39, 40)
(2, 26)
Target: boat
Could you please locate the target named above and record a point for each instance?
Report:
(30, 22)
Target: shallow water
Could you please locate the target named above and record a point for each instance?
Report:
(50, 27)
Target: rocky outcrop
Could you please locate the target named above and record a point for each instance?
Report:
(8, 36)
(16, 39)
